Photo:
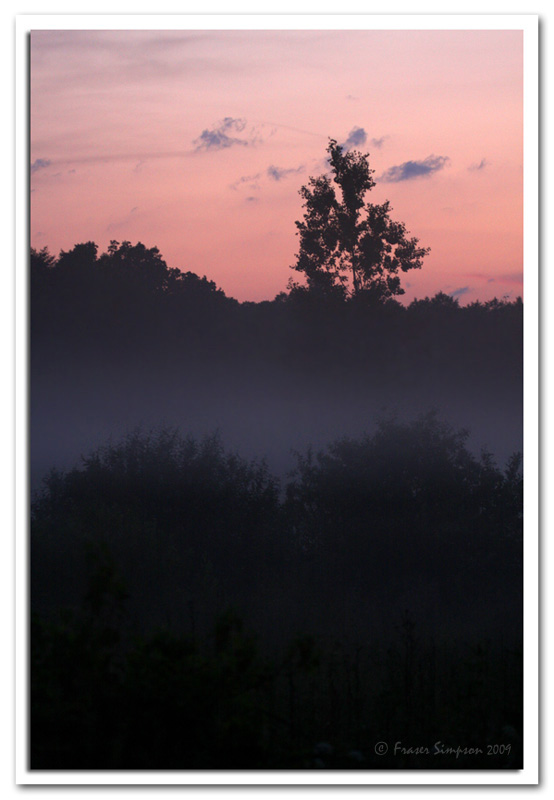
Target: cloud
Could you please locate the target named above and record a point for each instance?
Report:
(352, 98)
(107, 158)
(414, 169)
(278, 173)
(508, 277)
(272, 172)
(477, 167)
(511, 277)
(251, 199)
(40, 163)
(220, 136)
(460, 292)
(250, 179)
(136, 57)
(479, 276)
(123, 221)
(356, 137)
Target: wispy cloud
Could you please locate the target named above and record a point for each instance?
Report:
(478, 167)
(39, 163)
(246, 179)
(515, 278)
(123, 221)
(378, 143)
(108, 158)
(274, 173)
(511, 277)
(224, 135)
(479, 276)
(459, 292)
(137, 57)
(278, 173)
(414, 169)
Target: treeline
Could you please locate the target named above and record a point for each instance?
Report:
(127, 303)
(378, 594)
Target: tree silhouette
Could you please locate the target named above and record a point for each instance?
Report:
(348, 247)
(41, 261)
(411, 500)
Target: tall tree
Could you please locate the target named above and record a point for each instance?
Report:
(347, 246)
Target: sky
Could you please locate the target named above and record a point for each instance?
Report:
(197, 142)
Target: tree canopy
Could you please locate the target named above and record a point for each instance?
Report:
(349, 247)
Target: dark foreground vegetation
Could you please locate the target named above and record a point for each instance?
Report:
(190, 613)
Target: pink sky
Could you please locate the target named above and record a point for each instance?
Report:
(197, 142)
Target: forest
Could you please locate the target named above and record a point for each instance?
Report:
(274, 535)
